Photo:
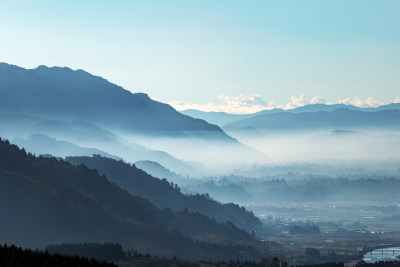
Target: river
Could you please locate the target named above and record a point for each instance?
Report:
(382, 254)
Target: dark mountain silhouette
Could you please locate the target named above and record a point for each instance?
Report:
(165, 194)
(322, 120)
(222, 118)
(61, 93)
(50, 201)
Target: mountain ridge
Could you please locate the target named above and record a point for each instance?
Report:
(330, 120)
(223, 118)
(60, 95)
(60, 92)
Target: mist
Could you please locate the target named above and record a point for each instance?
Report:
(336, 146)
(209, 157)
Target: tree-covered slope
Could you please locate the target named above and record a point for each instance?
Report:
(163, 194)
(45, 201)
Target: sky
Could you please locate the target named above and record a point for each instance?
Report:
(221, 55)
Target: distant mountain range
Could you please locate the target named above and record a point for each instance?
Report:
(47, 201)
(222, 118)
(344, 119)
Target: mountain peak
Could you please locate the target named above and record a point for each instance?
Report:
(143, 95)
(43, 68)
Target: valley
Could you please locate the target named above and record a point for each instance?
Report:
(168, 185)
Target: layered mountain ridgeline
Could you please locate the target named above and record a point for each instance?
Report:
(335, 188)
(60, 102)
(40, 144)
(163, 194)
(321, 120)
(50, 201)
(61, 93)
(61, 138)
(222, 118)
(17, 125)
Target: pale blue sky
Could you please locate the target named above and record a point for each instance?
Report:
(195, 51)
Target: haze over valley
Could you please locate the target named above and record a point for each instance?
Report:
(202, 133)
(317, 164)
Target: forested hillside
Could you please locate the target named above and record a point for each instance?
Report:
(51, 201)
(165, 194)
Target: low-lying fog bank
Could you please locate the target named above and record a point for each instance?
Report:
(324, 146)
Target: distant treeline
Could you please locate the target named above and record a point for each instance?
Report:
(359, 264)
(379, 264)
(105, 251)
(14, 256)
(329, 264)
(294, 188)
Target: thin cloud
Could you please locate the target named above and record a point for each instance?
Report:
(231, 104)
(303, 100)
(396, 100)
(319, 100)
(243, 104)
(367, 103)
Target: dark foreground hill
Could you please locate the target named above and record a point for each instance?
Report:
(46, 201)
(163, 194)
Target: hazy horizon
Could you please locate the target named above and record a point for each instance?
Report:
(241, 105)
(226, 55)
